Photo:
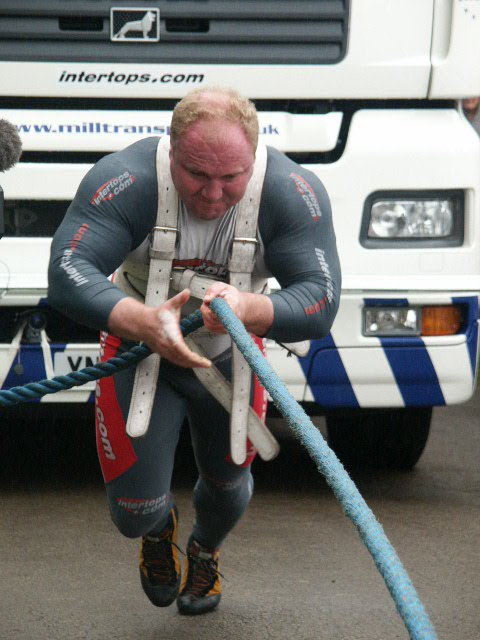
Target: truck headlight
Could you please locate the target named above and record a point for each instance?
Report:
(412, 320)
(415, 219)
(391, 321)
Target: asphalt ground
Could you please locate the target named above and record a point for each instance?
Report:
(295, 566)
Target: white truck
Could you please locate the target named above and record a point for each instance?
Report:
(365, 93)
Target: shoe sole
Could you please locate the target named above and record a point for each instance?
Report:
(198, 607)
(155, 595)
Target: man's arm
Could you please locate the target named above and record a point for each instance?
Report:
(100, 228)
(253, 309)
(102, 225)
(300, 251)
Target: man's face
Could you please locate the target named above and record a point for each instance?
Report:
(211, 166)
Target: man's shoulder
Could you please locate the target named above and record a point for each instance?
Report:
(120, 180)
(292, 193)
(284, 176)
(135, 163)
(141, 153)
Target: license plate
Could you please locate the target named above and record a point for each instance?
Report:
(66, 362)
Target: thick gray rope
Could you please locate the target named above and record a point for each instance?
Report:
(396, 578)
(33, 390)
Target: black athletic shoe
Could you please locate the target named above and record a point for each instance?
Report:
(159, 565)
(201, 589)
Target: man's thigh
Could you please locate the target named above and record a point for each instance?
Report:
(145, 461)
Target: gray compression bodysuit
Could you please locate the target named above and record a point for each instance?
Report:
(111, 217)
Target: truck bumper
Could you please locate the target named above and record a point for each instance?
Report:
(347, 369)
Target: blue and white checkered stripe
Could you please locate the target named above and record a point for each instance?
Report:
(32, 364)
(21, 364)
(346, 369)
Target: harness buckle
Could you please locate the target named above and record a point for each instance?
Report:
(243, 258)
(162, 245)
(157, 228)
(239, 239)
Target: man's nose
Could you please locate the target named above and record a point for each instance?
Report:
(213, 190)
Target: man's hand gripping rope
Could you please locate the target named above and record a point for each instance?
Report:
(157, 327)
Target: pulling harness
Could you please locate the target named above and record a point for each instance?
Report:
(235, 396)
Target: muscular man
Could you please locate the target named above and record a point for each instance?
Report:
(107, 230)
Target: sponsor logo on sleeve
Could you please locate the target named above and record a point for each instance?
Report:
(315, 308)
(78, 236)
(112, 188)
(320, 253)
(328, 297)
(70, 270)
(66, 259)
(308, 196)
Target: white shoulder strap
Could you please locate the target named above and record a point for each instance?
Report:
(240, 266)
(162, 252)
(221, 390)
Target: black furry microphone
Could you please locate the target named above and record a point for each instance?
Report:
(10, 152)
(10, 145)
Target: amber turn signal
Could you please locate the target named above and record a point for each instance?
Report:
(440, 321)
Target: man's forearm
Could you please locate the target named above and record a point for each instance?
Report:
(255, 310)
(258, 313)
(128, 319)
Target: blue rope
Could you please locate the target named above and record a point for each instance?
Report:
(396, 578)
(403, 593)
(35, 390)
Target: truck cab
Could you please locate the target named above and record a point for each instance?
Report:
(365, 93)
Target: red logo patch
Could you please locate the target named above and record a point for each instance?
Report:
(112, 188)
(308, 196)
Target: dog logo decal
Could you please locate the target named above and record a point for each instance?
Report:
(134, 25)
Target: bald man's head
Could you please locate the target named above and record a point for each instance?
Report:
(217, 104)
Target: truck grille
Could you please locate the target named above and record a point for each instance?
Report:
(202, 32)
(60, 330)
(33, 218)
